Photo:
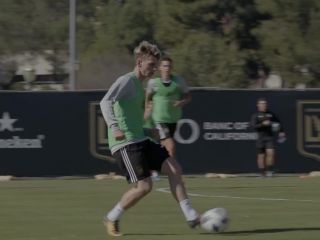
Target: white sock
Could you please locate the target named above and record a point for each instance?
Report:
(115, 213)
(155, 174)
(188, 210)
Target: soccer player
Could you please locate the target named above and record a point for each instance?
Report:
(123, 110)
(261, 122)
(165, 94)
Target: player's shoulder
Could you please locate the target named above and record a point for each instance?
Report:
(152, 80)
(180, 79)
(124, 79)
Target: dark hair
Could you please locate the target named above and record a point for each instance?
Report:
(166, 58)
(261, 100)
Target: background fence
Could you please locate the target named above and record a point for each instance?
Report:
(63, 133)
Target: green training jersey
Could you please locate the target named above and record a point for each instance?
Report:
(129, 114)
(163, 100)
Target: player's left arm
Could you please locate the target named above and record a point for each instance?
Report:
(186, 93)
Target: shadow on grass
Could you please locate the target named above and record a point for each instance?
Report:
(14, 188)
(153, 234)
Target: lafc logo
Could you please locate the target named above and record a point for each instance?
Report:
(308, 128)
(139, 171)
(98, 131)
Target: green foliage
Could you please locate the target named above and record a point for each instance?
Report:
(289, 39)
(217, 43)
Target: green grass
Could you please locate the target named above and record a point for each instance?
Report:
(73, 210)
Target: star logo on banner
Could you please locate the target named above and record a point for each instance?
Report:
(6, 123)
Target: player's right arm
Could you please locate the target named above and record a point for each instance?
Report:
(255, 125)
(120, 90)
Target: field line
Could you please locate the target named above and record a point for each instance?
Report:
(166, 190)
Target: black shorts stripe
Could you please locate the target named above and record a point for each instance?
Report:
(127, 163)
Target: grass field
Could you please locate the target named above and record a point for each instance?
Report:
(73, 209)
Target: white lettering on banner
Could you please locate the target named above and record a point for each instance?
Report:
(6, 124)
(225, 125)
(218, 125)
(230, 136)
(16, 142)
(218, 136)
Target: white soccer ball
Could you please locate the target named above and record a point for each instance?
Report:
(215, 220)
(275, 126)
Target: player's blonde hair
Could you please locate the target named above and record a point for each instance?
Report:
(147, 50)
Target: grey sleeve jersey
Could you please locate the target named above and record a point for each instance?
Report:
(183, 85)
(123, 89)
(152, 86)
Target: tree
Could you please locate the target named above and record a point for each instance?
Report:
(8, 69)
(216, 43)
(217, 34)
(37, 26)
(289, 39)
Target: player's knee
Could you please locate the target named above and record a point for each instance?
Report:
(176, 169)
(171, 168)
(144, 188)
(270, 152)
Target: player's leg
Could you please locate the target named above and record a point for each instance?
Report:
(174, 172)
(128, 200)
(169, 166)
(261, 164)
(166, 132)
(164, 136)
(270, 152)
(261, 157)
(169, 144)
(132, 161)
(134, 195)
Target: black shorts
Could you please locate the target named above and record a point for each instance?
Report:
(166, 130)
(262, 145)
(137, 159)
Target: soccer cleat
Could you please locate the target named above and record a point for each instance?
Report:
(263, 175)
(112, 228)
(156, 178)
(195, 223)
(270, 174)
